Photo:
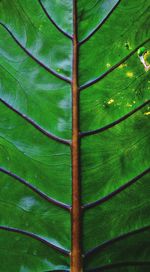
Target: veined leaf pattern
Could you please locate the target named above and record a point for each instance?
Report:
(72, 84)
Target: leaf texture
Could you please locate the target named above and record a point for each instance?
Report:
(37, 76)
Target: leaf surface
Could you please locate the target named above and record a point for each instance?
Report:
(37, 78)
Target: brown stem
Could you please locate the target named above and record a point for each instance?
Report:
(76, 255)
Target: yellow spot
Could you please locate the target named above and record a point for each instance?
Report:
(147, 54)
(147, 113)
(134, 102)
(110, 101)
(129, 74)
(58, 70)
(123, 65)
(129, 105)
(108, 65)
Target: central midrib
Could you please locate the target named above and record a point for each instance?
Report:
(76, 254)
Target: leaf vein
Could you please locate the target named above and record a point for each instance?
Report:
(92, 82)
(34, 58)
(36, 237)
(118, 121)
(50, 135)
(116, 239)
(53, 22)
(100, 24)
(37, 191)
(117, 191)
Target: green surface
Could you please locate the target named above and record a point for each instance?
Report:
(126, 29)
(58, 10)
(131, 249)
(125, 212)
(92, 13)
(120, 92)
(116, 159)
(20, 253)
(43, 162)
(36, 129)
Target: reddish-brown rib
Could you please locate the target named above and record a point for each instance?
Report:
(76, 255)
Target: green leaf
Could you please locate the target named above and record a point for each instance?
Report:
(74, 168)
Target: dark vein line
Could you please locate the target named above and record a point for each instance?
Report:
(53, 22)
(35, 190)
(114, 240)
(92, 132)
(118, 265)
(119, 190)
(36, 237)
(113, 67)
(67, 142)
(34, 58)
(100, 25)
(60, 270)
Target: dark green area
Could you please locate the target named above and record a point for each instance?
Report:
(35, 87)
